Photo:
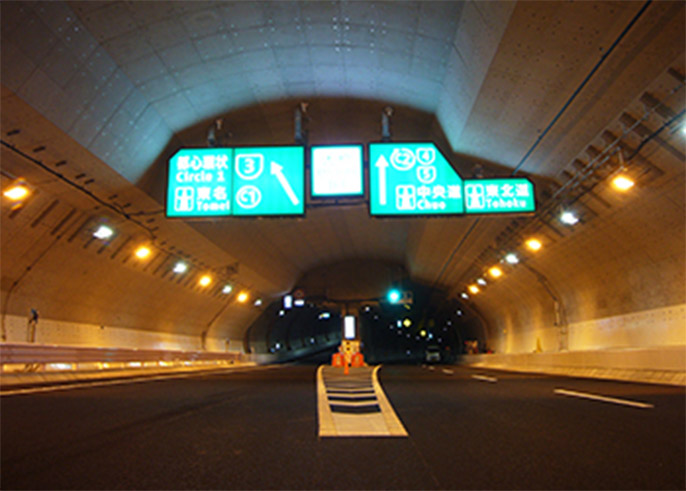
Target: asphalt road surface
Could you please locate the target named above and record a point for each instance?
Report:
(257, 429)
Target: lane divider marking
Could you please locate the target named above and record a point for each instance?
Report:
(354, 405)
(485, 378)
(595, 397)
(447, 371)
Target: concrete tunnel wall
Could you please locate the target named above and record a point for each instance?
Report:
(87, 297)
(619, 278)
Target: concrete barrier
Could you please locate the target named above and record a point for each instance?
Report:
(661, 365)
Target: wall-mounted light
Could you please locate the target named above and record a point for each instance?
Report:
(569, 218)
(534, 245)
(622, 182)
(17, 191)
(103, 232)
(205, 280)
(142, 252)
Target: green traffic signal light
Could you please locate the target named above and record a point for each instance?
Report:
(394, 296)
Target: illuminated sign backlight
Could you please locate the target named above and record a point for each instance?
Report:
(199, 182)
(208, 182)
(412, 179)
(349, 327)
(511, 195)
(269, 181)
(337, 171)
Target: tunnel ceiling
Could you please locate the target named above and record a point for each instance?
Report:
(115, 88)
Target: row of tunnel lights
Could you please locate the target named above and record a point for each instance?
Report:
(19, 191)
(621, 183)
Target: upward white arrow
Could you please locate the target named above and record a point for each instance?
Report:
(382, 165)
(277, 170)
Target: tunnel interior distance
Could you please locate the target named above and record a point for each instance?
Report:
(389, 332)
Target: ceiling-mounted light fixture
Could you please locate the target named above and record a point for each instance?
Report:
(142, 252)
(473, 289)
(512, 258)
(180, 267)
(18, 191)
(103, 232)
(495, 272)
(534, 244)
(569, 218)
(622, 182)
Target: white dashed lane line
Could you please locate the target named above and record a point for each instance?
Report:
(595, 397)
(447, 371)
(485, 378)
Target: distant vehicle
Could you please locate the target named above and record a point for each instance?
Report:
(432, 354)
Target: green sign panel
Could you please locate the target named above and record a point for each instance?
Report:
(412, 179)
(511, 195)
(269, 181)
(207, 182)
(199, 182)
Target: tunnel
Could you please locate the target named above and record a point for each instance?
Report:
(544, 234)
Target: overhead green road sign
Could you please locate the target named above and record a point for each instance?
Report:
(269, 181)
(199, 182)
(412, 179)
(510, 195)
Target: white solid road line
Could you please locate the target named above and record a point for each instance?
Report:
(484, 378)
(124, 381)
(447, 371)
(613, 400)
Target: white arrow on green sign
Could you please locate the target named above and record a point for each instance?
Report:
(269, 181)
(412, 179)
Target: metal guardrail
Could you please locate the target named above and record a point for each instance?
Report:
(28, 353)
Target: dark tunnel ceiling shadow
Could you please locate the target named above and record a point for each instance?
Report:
(352, 279)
